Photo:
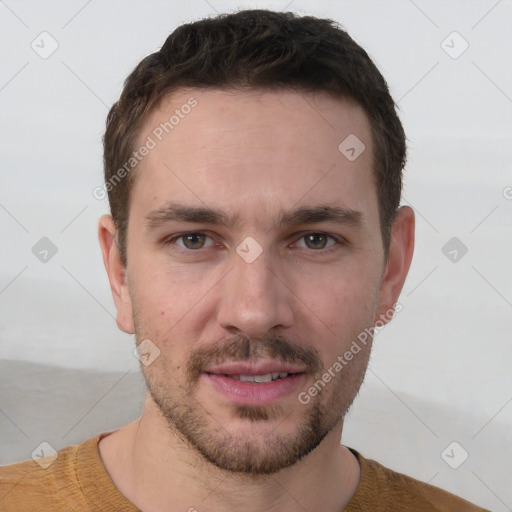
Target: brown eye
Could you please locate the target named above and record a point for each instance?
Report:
(194, 241)
(317, 241)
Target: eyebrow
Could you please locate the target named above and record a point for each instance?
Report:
(176, 212)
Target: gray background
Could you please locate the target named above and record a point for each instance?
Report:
(440, 372)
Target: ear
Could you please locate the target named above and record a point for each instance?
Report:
(401, 249)
(116, 273)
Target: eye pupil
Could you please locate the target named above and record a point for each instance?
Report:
(194, 241)
(317, 240)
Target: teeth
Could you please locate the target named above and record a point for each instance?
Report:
(268, 377)
(263, 378)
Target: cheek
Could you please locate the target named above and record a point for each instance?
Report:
(343, 299)
(168, 292)
(170, 308)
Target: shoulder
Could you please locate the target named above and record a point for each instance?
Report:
(381, 488)
(24, 484)
(45, 483)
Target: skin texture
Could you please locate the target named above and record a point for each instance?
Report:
(254, 155)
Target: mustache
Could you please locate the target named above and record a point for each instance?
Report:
(242, 348)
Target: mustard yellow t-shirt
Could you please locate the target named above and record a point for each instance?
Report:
(77, 481)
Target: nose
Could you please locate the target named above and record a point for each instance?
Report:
(255, 298)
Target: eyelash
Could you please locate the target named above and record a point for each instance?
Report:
(339, 241)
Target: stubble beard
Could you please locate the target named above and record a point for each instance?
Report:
(261, 454)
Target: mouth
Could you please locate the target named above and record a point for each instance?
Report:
(260, 379)
(256, 384)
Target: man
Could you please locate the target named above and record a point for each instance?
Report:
(253, 166)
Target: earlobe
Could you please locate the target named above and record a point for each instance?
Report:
(401, 250)
(116, 273)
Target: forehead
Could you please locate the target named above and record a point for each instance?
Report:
(255, 151)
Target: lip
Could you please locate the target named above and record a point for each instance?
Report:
(254, 394)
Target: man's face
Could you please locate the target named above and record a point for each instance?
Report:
(278, 277)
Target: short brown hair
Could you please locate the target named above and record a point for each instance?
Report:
(258, 49)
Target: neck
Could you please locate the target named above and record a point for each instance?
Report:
(148, 463)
